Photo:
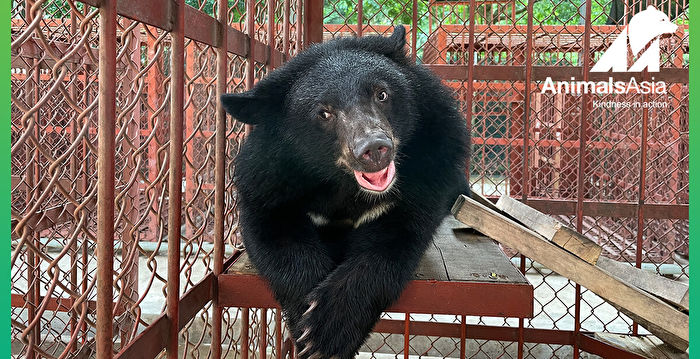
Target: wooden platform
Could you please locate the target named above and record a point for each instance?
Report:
(461, 273)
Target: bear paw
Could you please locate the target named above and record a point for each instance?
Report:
(327, 330)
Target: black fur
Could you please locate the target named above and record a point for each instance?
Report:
(288, 168)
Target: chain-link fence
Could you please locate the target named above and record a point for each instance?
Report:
(619, 175)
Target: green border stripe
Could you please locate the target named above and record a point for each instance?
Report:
(694, 167)
(5, 183)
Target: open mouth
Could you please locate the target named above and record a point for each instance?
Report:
(377, 181)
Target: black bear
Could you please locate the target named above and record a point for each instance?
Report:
(355, 158)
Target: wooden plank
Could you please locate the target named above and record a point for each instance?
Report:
(483, 200)
(664, 288)
(431, 266)
(551, 229)
(656, 316)
(646, 346)
(486, 263)
(444, 260)
(470, 257)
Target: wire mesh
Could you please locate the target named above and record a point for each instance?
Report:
(526, 144)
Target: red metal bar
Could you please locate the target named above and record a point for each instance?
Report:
(406, 336)
(557, 73)
(73, 172)
(580, 192)
(177, 100)
(479, 332)
(641, 196)
(313, 22)
(470, 76)
(526, 103)
(299, 39)
(245, 328)
(525, 188)
(359, 17)
(588, 343)
(250, 57)
(199, 26)
(32, 180)
(463, 337)
(130, 232)
(262, 334)
(271, 4)
(33, 176)
(219, 174)
(195, 299)
(285, 29)
(434, 297)
(414, 30)
(105, 176)
(521, 321)
(150, 342)
(278, 334)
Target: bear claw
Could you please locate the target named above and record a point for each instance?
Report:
(307, 348)
(312, 306)
(305, 334)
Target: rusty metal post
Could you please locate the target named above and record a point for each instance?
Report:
(262, 334)
(406, 335)
(32, 179)
(271, 4)
(463, 337)
(360, 9)
(278, 334)
(177, 98)
(219, 173)
(245, 328)
(130, 232)
(73, 171)
(470, 75)
(285, 28)
(582, 164)
(105, 175)
(527, 98)
(298, 24)
(313, 22)
(639, 242)
(250, 58)
(414, 30)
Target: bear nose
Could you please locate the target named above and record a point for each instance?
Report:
(374, 153)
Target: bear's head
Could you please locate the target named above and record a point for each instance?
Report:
(646, 26)
(342, 108)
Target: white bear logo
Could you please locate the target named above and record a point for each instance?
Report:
(643, 28)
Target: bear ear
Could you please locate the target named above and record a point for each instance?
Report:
(248, 107)
(398, 38)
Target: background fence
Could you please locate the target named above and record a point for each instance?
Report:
(132, 85)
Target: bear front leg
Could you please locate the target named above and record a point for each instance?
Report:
(288, 253)
(344, 308)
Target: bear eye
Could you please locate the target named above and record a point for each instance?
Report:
(325, 115)
(382, 96)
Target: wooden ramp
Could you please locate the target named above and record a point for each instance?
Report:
(646, 346)
(462, 272)
(576, 257)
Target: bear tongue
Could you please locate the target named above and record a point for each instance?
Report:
(376, 181)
